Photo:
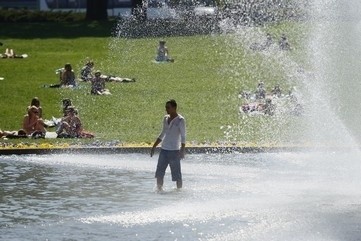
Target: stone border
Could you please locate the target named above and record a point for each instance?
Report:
(146, 150)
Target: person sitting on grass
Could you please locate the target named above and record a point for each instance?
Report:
(260, 92)
(66, 103)
(98, 85)
(71, 126)
(87, 75)
(163, 53)
(276, 91)
(36, 102)
(55, 122)
(67, 77)
(269, 107)
(86, 71)
(9, 53)
(283, 43)
(33, 125)
(269, 40)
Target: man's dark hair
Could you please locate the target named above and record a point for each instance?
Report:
(172, 102)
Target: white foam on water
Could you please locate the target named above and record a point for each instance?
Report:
(282, 196)
(134, 162)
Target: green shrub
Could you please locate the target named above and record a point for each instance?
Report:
(26, 15)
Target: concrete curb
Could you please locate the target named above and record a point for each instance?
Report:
(146, 150)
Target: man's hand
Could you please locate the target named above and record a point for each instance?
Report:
(182, 152)
(154, 146)
(152, 151)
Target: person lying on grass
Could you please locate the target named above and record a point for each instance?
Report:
(87, 75)
(9, 54)
(13, 134)
(110, 78)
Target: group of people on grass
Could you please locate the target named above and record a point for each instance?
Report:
(67, 78)
(262, 102)
(69, 125)
(283, 43)
(34, 126)
(98, 80)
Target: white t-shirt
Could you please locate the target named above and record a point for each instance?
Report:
(174, 133)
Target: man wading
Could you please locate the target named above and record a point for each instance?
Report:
(172, 151)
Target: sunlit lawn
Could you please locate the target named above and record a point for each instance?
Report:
(199, 80)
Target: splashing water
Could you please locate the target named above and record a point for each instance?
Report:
(325, 86)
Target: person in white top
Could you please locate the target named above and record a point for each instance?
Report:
(173, 138)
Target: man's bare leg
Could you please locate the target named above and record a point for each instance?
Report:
(179, 184)
(160, 181)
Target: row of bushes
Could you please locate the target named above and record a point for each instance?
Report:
(25, 15)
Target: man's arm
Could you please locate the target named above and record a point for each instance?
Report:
(182, 151)
(159, 139)
(182, 128)
(154, 146)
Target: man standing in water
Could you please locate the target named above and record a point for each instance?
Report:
(172, 151)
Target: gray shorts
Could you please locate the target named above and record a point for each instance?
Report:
(173, 159)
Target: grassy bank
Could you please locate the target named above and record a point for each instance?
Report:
(199, 80)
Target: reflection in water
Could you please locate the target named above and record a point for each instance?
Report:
(283, 196)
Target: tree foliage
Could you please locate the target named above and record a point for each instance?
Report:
(96, 10)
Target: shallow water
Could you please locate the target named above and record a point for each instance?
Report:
(279, 196)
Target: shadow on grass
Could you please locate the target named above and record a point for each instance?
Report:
(56, 30)
(119, 28)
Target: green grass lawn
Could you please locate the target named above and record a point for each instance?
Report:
(201, 80)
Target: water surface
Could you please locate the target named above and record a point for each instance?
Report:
(279, 196)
